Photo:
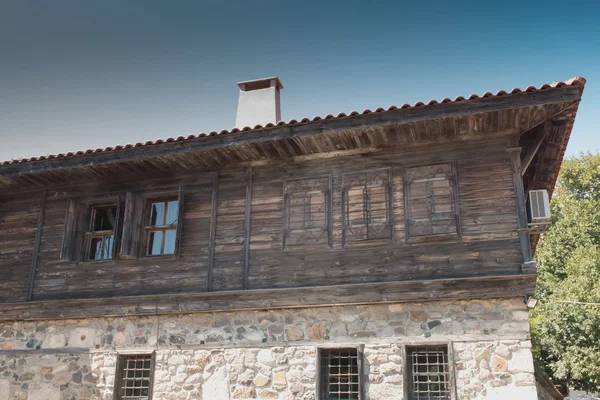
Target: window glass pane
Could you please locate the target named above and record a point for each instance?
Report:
(108, 247)
(172, 212)
(104, 218)
(95, 252)
(170, 237)
(154, 243)
(158, 214)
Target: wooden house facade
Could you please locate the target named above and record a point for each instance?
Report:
(375, 255)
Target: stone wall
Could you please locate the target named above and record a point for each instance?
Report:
(269, 354)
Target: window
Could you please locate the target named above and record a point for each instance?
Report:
(162, 229)
(307, 211)
(430, 201)
(134, 381)
(340, 374)
(366, 206)
(91, 232)
(101, 234)
(428, 373)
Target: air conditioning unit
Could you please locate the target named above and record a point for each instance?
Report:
(539, 206)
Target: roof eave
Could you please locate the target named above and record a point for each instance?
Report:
(306, 127)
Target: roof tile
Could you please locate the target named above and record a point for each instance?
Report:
(576, 81)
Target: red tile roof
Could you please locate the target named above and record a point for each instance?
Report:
(576, 81)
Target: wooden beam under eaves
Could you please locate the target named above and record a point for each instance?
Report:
(291, 131)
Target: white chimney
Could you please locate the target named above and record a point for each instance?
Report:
(259, 102)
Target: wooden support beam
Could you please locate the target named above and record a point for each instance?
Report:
(400, 116)
(266, 299)
(338, 153)
(540, 137)
(247, 227)
(213, 232)
(36, 247)
(515, 157)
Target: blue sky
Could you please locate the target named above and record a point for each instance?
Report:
(81, 74)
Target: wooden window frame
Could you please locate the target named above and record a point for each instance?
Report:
(389, 203)
(78, 228)
(406, 378)
(121, 357)
(328, 209)
(361, 369)
(455, 199)
(163, 228)
(91, 234)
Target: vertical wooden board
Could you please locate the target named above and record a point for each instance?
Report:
(398, 204)
(131, 241)
(36, 249)
(230, 231)
(537, 115)
(478, 123)
(492, 121)
(506, 119)
(18, 229)
(522, 119)
(449, 127)
(462, 125)
(213, 229)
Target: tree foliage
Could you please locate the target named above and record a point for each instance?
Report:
(567, 336)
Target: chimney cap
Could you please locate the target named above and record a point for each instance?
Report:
(261, 83)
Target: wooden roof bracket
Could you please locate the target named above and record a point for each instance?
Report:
(540, 137)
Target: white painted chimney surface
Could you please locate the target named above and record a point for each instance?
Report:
(258, 102)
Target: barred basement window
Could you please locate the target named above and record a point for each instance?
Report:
(428, 373)
(340, 377)
(307, 211)
(366, 206)
(134, 381)
(431, 200)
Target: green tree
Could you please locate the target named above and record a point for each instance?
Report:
(566, 335)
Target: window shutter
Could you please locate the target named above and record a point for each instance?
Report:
(431, 200)
(179, 222)
(118, 229)
(367, 206)
(74, 231)
(132, 225)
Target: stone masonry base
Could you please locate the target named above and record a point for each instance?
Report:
(271, 354)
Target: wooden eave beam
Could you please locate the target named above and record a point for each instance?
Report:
(539, 139)
(267, 299)
(400, 116)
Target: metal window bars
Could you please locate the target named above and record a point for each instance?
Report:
(340, 378)
(135, 377)
(428, 373)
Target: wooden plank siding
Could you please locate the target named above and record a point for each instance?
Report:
(18, 226)
(56, 278)
(489, 243)
(216, 237)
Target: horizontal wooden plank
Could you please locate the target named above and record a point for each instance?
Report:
(402, 291)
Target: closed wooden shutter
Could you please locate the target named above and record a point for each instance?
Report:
(74, 231)
(431, 200)
(366, 206)
(118, 229)
(307, 211)
(132, 225)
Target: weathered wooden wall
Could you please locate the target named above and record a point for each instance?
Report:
(489, 244)
(18, 226)
(56, 278)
